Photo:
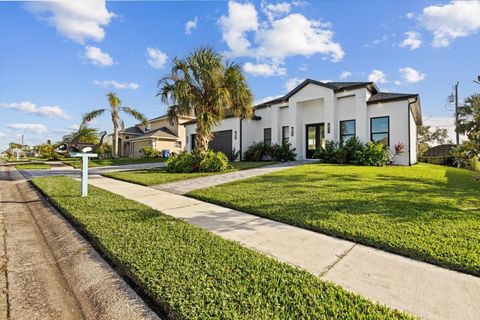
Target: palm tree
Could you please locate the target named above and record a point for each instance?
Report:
(115, 107)
(84, 134)
(204, 85)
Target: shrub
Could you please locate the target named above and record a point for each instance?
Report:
(373, 154)
(104, 150)
(351, 149)
(234, 155)
(47, 151)
(258, 151)
(187, 162)
(214, 162)
(149, 152)
(283, 152)
(327, 153)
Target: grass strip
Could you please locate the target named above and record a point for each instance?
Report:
(33, 166)
(197, 274)
(77, 163)
(150, 177)
(426, 212)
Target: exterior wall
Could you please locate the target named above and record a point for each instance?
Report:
(226, 124)
(398, 113)
(315, 104)
(413, 140)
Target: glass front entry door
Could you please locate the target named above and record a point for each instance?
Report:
(315, 138)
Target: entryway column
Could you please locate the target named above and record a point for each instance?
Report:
(274, 123)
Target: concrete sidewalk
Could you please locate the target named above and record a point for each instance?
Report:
(185, 186)
(419, 288)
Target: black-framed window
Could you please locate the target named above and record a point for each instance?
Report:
(267, 136)
(285, 134)
(380, 130)
(347, 130)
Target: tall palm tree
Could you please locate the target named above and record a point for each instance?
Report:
(205, 85)
(115, 108)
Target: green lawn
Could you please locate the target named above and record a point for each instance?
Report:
(426, 212)
(32, 166)
(76, 163)
(150, 177)
(196, 273)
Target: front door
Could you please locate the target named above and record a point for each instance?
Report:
(315, 138)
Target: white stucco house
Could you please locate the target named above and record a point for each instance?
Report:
(315, 111)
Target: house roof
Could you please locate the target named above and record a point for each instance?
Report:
(131, 130)
(335, 86)
(160, 133)
(389, 96)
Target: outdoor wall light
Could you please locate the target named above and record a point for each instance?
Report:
(235, 134)
(291, 132)
(328, 128)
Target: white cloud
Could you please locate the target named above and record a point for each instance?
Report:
(397, 82)
(410, 15)
(156, 58)
(277, 38)
(76, 20)
(2, 135)
(276, 10)
(303, 67)
(296, 35)
(241, 18)
(450, 21)
(97, 57)
(116, 84)
(190, 25)
(31, 108)
(264, 69)
(412, 40)
(345, 75)
(292, 83)
(28, 127)
(377, 76)
(411, 75)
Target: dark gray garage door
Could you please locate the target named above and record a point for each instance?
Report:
(222, 141)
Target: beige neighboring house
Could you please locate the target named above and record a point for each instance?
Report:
(158, 133)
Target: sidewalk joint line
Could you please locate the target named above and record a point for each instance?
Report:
(340, 258)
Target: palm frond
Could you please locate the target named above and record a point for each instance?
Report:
(134, 113)
(113, 100)
(87, 117)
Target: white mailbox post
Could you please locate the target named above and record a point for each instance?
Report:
(84, 157)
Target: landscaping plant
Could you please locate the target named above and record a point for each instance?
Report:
(187, 162)
(373, 154)
(149, 152)
(283, 152)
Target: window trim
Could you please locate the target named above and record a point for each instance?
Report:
(285, 134)
(387, 132)
(270, 139)
(354, 130)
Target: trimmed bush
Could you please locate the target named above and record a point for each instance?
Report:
(328, 153)
(258, 151)
(149, 152)
(187, 162)
(373, 154)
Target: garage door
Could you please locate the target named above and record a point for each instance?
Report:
(222, 141)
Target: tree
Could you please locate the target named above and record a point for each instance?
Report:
(469, 124)
(426, 136)
(84, 134)
(115, 108)
(205, 85)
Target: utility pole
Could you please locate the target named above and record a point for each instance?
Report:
(22, 140)
(457, 134)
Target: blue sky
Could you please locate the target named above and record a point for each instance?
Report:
(59, 59)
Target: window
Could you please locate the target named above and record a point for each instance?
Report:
(178, 144)
(267, 136)
(347, 130)
(284, 134)
(380, 130)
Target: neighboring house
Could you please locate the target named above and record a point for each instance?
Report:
(158, 133)
(314, 112)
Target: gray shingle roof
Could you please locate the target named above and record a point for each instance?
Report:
(162, 132)
(132, 130)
